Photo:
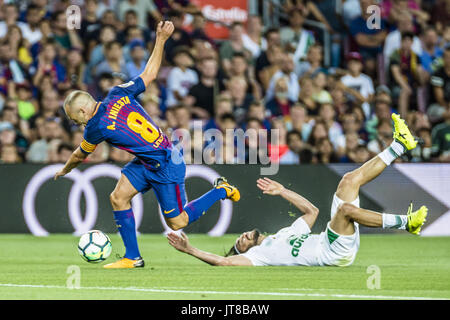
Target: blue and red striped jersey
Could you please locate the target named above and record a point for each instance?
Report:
(122, 122)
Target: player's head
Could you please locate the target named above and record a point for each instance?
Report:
(79, 106)
(246, 241)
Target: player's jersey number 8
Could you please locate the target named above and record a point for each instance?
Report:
(144, 128)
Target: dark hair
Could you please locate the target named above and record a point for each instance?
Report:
(293, 133)
(130, 11)
(64, 146)
(231, 252)
(255, 119)
(228, 116)
(271, 30)
(408, 34)
(174, 14)
(306, 155)
(235, 24)
(239, 55)
(109, 45)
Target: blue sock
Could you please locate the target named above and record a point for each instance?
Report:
(196, 208)
(127, 228)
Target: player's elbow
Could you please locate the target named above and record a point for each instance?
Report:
(314, 211)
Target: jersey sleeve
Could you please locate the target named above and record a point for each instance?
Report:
(133, 87)
(300, 226)
(90, 141)
(256, 256)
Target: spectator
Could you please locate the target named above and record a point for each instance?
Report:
(440, 139)
(237, 88)
(180, 37)
(295, 144)
(369, 40)
(306, 97)
(253, 40)
(422, 153)
(142, 8)
(233, 45)
(64, 152)
(295, 37)
(383, 139)
(406, 73)
(206, 89)
(358, 85)
(280, 104)
(114, 62)
(431, 53)
(138, 60)
(440, 94)
(287, 70)
(312, 64)
(392, 9)
(325, 152)
(75, 70)
(272, 39)
(298, 120)
(9, 154)
(181, 78)
(394, 38)
(257, 111)
(48, 64)
(327, 115)
(223, 105)
(275, 59)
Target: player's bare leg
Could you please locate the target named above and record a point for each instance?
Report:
(123, 215)
(348, 190)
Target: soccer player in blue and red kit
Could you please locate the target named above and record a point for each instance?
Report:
(121, 121)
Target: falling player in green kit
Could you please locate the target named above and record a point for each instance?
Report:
(339, 243)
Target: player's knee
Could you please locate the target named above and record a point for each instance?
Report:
(350, 179)
(175, 225)
(117, 201)
(347, 210)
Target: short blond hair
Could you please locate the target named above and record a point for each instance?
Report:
(77, 99)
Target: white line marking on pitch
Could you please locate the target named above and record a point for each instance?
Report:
(293, 294)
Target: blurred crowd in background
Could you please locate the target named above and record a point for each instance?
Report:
(261, 77)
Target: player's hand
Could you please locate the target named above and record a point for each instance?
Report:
(269, 186)
(164, 30)
(60, 173)
(179, 243)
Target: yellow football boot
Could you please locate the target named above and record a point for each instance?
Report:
(125, 263)
(416, 219)
(232, 192)
(402, 134)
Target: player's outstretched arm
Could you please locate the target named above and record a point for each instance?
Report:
(75, 159)
(310, 212)
(163, 32)
(182, 244)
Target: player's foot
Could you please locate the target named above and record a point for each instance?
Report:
(125, 263)
(402, 134)
(232, 192)
(416, 219)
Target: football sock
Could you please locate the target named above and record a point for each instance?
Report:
(127, 229)
(392, 152)
(394, 221)
(196, 208)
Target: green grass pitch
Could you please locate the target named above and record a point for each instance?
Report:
(36, 268)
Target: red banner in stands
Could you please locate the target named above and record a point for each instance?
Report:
(222, 13)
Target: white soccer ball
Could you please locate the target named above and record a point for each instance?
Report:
(94, 246)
